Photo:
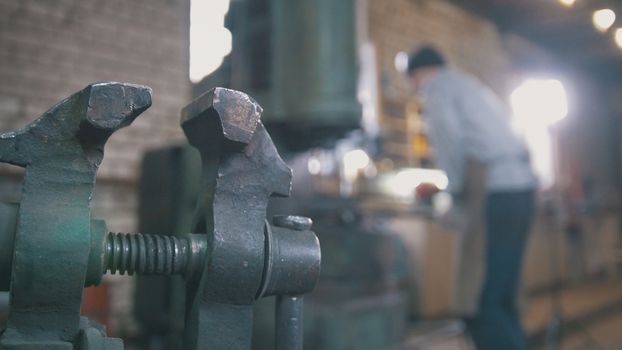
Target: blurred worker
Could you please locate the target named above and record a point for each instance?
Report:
(469, 129)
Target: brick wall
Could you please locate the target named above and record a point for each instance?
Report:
(469, 42)
(586, 138)
(50, 49)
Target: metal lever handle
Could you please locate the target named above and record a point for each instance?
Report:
(293, 269)
(288, 335)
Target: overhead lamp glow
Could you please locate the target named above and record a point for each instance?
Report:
(603, 19)
(567, 3)
(618, 37)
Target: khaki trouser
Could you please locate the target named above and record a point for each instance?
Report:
(469, 272)
(470, 256)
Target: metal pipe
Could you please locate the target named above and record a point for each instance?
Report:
(288, 334)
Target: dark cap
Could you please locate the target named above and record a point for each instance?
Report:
(424, 56)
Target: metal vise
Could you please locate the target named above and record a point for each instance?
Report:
(50, 248)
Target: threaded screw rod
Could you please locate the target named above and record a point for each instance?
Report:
(144, 254)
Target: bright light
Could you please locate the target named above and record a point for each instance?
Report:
(404, 182)
(356, 159)
(603, 19)
(210, 41)
(401, 62)
(537, 105)
(567, 3)
(314, 166)
(541, 102)
(618, 37)
(353, 162)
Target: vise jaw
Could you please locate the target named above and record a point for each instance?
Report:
(61, 152)
(52, 248)
(248, 258)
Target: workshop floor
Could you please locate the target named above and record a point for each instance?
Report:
(592, 314)
(592, 317)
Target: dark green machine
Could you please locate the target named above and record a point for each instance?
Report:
(229, 256)
(299, 59)
(167, 202)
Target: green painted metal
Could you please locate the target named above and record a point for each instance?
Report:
(8, 225)
(361, 300)
(314, 64)
(61, 152)
(91, 338)
(167, 194)
(300, 60)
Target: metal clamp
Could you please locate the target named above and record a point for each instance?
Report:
(233, 258)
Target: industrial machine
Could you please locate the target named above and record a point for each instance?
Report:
(228, 255)
(301, 59)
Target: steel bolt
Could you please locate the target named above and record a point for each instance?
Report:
(154, 254)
